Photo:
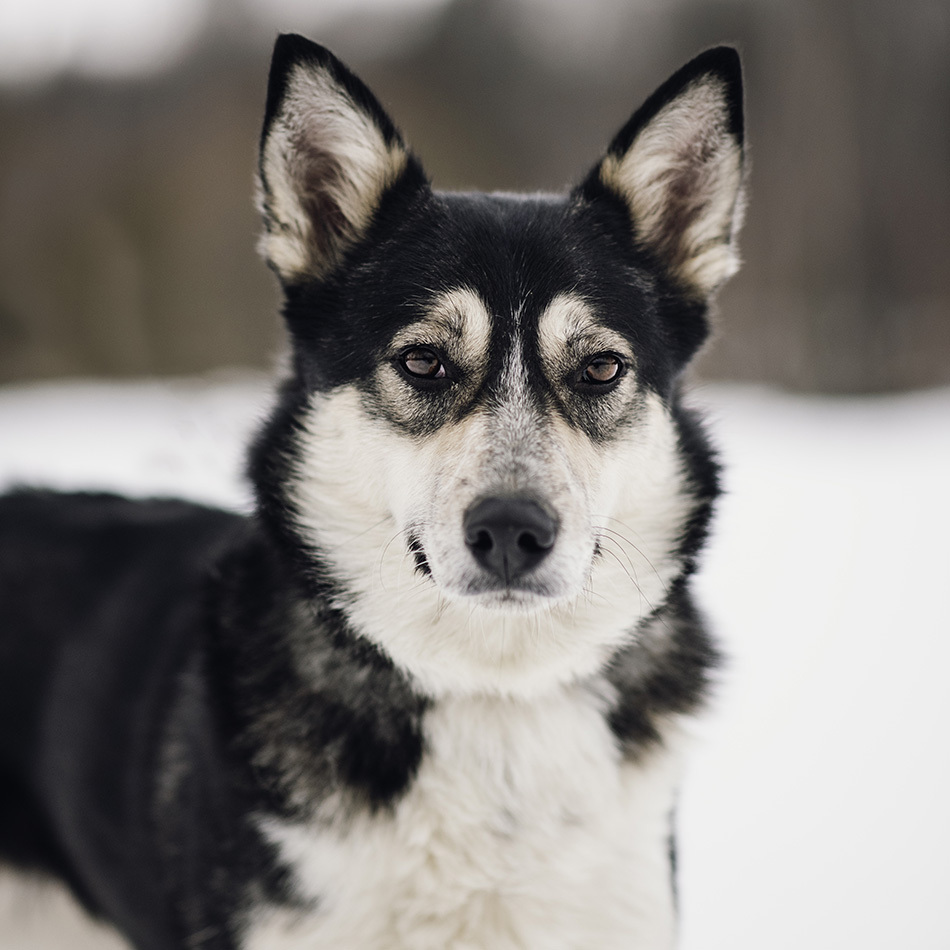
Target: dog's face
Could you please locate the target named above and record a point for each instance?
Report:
(481, 449)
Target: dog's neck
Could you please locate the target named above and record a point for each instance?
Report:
(318, 711)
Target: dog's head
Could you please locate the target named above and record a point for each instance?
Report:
(480, 452)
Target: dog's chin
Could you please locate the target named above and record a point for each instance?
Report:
(512, 600)
(524, 597)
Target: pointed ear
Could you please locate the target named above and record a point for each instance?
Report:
(678, 166)
(328, 156)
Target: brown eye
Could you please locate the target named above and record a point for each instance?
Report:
(603, 368)
(422, 362)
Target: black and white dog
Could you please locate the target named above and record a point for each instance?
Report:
(431, 695)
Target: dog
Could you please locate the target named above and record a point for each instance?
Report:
(431, 694)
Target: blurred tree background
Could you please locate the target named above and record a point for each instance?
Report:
(127, 229)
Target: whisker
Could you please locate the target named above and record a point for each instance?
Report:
(378, 567)
(627, 540)
(656, 612)
(591, 594)
(618, 539)
(631, 577)
(365, 531)
(611, 546)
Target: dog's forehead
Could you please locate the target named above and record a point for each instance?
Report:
(513, 269)
(518, 253)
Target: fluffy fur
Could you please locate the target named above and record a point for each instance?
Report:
(431, 694)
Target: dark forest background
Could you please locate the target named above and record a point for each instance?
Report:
(127, 230)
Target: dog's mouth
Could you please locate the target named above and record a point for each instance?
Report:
(521, 594)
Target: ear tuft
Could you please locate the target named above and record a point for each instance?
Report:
(328, 155)
(678, 165)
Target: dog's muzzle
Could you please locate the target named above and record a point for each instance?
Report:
(509, 536)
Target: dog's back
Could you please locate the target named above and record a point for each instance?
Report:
(101, 601)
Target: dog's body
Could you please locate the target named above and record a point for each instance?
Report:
(430, 695)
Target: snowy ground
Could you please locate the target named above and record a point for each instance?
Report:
(815, 811)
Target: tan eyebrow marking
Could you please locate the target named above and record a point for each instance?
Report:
(567, 332)
(458, 320)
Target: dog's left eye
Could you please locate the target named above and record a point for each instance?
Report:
(602, 369)
(422, 362)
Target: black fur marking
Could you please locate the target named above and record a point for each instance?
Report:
(666, 671)
(703, 470)
(674, 860)
(419, 555)
(217, 866)
(314, 708)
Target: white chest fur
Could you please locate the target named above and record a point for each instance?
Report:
(524, 829)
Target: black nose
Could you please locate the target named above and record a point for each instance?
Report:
(509, 536)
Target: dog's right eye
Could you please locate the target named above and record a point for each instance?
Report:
(421, 362)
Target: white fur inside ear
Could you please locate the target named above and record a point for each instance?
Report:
(682, 179)
(325, 166)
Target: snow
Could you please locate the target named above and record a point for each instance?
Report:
(814, 810)
(172, 437)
